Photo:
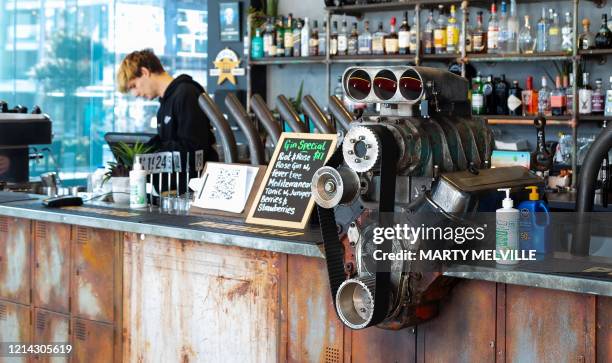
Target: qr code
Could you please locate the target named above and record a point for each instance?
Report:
(224, 186)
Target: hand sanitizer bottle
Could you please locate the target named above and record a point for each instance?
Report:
(138, 185)
(534, 221)
(506, 231)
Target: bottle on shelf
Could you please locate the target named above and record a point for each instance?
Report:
(353, 41)
(479, 36)
(322, 38)
(603, 38)
(414, 38)
(512, 45)
(343, 39)
(502, 35)
(466, 38)
(493, 31)
(585, 95)
(257, 45)
(489, 96)
(305, 39)
(391, 40)
(428, 34)
(313, 41)
(608, 111)
(526, 41)
(557, 99)
(515, 103)
(586, 40)
(280, 37)
(554, 34)
(530, 98)
(597, 99)
(567, 34)
(365, 40)
(269, 39)
(440, 32)
(378, 40)
(544, 98)
(500, 89)
(452, 32)
(478, 107)
(568, 85)
(297, 38)
(403, 36)
(542, 33)
(333, 40)
(289, 36)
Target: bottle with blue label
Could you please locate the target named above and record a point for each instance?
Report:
(534, 221)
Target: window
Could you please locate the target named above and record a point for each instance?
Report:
(63, 56)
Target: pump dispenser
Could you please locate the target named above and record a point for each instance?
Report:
(138, 185)
(534, 221)
(506, 231)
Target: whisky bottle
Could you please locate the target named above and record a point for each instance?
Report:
(403, 36)
(479, 36)
(391, 40)
(440, 32)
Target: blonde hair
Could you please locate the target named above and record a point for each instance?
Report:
(131, 65)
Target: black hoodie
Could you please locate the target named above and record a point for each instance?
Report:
(181, 124)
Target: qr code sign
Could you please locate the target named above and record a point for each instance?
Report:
(224, 187)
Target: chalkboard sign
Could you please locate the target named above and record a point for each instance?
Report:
(284, 196)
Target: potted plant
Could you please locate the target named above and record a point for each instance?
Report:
(119, 170)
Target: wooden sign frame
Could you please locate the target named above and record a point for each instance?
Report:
(280, 223)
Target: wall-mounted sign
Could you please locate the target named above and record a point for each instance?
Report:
(229, 21)
(226, 66)
(284, 198)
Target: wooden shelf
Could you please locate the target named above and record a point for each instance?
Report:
(525, 120)
(594, 118)
(594, 52)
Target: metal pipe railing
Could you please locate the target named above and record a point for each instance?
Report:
(256, 148)
(266, 118)
(313, 111)
(228, 142)
(289, 115)
(340, 112)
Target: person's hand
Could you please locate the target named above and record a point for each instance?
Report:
(5, 164)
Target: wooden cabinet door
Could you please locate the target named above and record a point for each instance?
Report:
(14, 328)
(51, 280)
(92, 342)
(51, 328)
(93, 284)
(15, 260)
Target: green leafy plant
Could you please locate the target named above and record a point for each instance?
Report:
(258, 17)
(125, 155)
(297, 101)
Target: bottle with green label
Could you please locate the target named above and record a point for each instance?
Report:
(506, 231)
(477, 96)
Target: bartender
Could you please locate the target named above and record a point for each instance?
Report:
(181, 124)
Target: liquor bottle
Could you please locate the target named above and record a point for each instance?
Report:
(313, 42)
(305, 39)
(542, 34)
(557, 99)
(530, 98)
(568, 84)
(343, 39)
(585, 95)
(493, 31)
(526, 40)
(467, 38)
(391, 40)
(597, 99)
(502, 35)
(515, 104)
(352, 41)
(297, 38)
(365, 40)
(414, 38)
(322, 37)
(477, 97)
(428, 34)
(608, 111)
(567, 34)
(440, 32)
(403, 36)
(289, 36)
(500, 90)
(333, 40)
(452, 32)
(479, 36)
(280, 38)
(257, 45)
(489, 96)
(544, 99)
(586, 40)
(513, 30)
(603, 39)
(378, 40)
(269, 39)
(554, 35)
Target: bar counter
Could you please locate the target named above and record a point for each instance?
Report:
(127, 285)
